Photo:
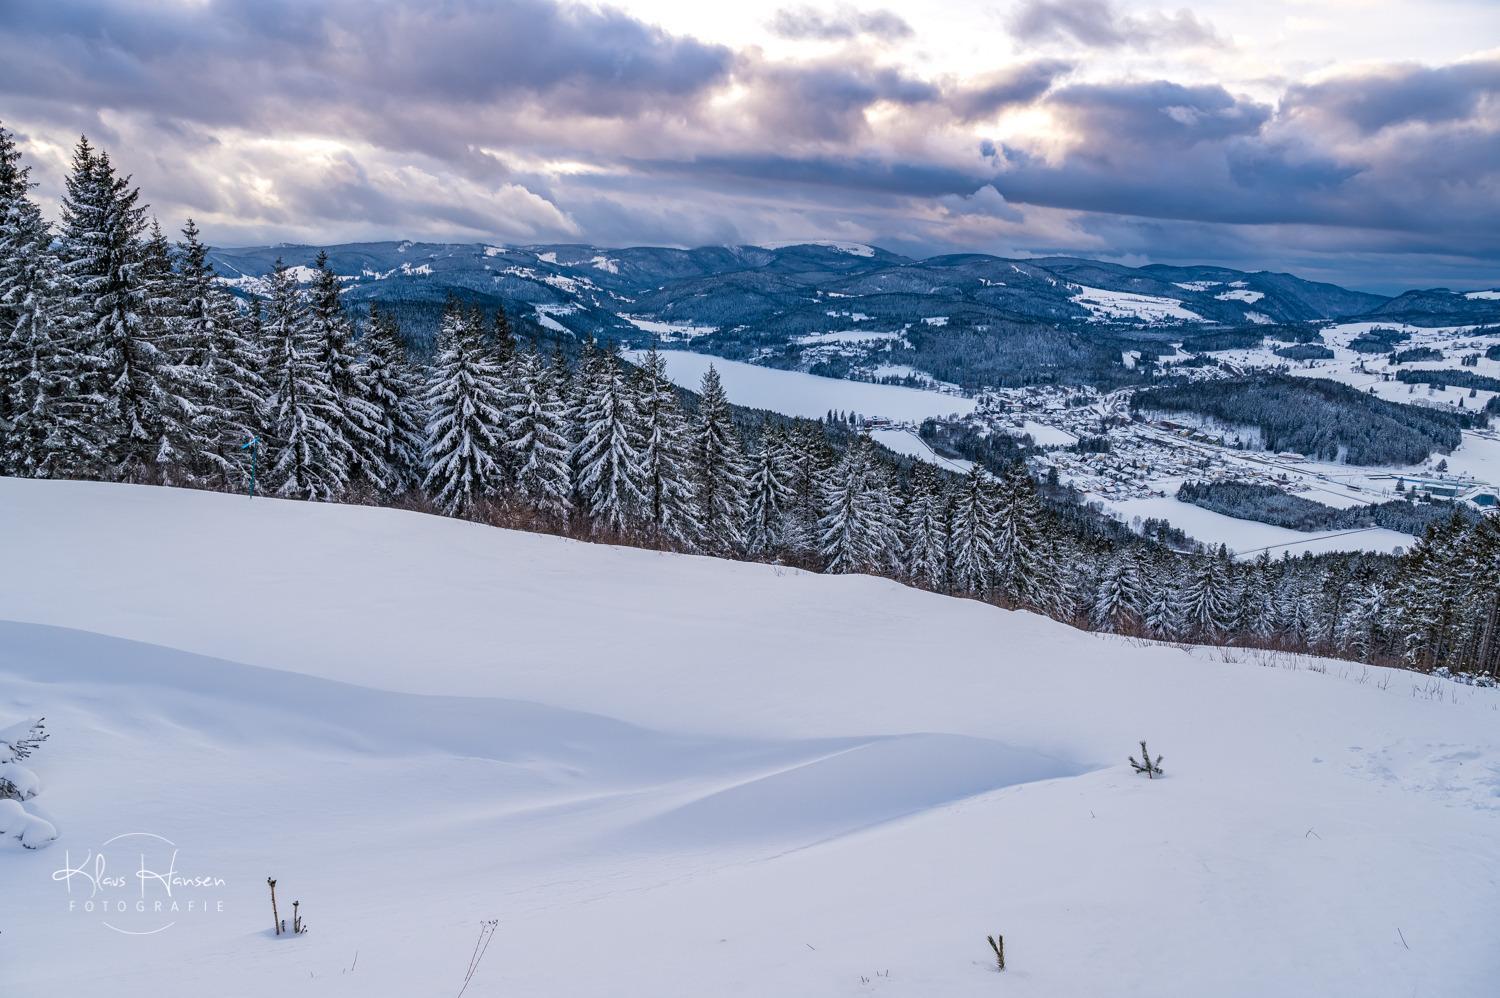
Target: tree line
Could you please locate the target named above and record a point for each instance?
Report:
(123, 358)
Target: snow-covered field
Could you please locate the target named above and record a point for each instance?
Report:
(1106, 304)
(910, 444)
(1248, 538)
(796, 393)
(676, 776)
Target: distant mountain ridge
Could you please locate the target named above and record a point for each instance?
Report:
(751, 300)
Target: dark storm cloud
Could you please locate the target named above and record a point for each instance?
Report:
(825, 101)
(1397, 95)
(117, 54)
(1099, 24)
(1159, 113)
(841, 24)
(982, 98)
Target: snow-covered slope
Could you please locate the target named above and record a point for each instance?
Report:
(669, 775)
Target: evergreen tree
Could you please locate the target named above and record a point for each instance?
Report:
(1208, 598)
(926, 530)
(308, 454)
(218, 345)
(1118, 600)
(608, 454)
(41, 414)
(857, 527)
(772, 496)
(129, 388)
(720, 485)
(465, 403)
(355, 414)
(669, 508)
(1161, 615)
(538, 427)
(1023, 574)
(811, 465)
(971, 539)
(393, 390)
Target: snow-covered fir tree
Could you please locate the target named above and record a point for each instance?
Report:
(465, 404)
(1023, 574)
(670, 512)
(538, 438)
(971, 534)
(358, 417)
(42, 416)
(857, 529)
(128, 387)
(218, 345)
(393, 389)
(925, 530)
(608, 453)
(308, 456)
(1161, 610)
(1119, 599)
(1208, 598)
(772, 496)
(720, 484)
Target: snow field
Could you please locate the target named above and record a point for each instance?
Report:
(673, 775)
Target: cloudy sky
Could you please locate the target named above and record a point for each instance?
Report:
(1348, 140)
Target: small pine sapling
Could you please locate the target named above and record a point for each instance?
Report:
(997, 943)
(1146, 765)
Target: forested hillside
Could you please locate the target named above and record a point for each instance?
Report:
(1318, 418)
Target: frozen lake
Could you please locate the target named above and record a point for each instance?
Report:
(796, 393)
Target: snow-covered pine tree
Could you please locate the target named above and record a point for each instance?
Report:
(128, 386)
(15, 185)
(771, 493)
(185, 431)
(503, 338)
(502, 342)
(217, 343)
(925, 530)
(465, 403)
(1259, 601)
(971, 536)
(393, 389)
(1362, 630)
(670, 512)
(608, 453)
(307, 453)
(857, 532)
(1119, 600)
(812, 461)
(1209, 597)
(1161, 613)
(720, 484)
(1022, 574)
(41, 414)
(538, 438)
(356, 414)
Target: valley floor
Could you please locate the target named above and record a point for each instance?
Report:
(676, 776)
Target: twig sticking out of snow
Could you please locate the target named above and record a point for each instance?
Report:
(481, 946)
(18, 741)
